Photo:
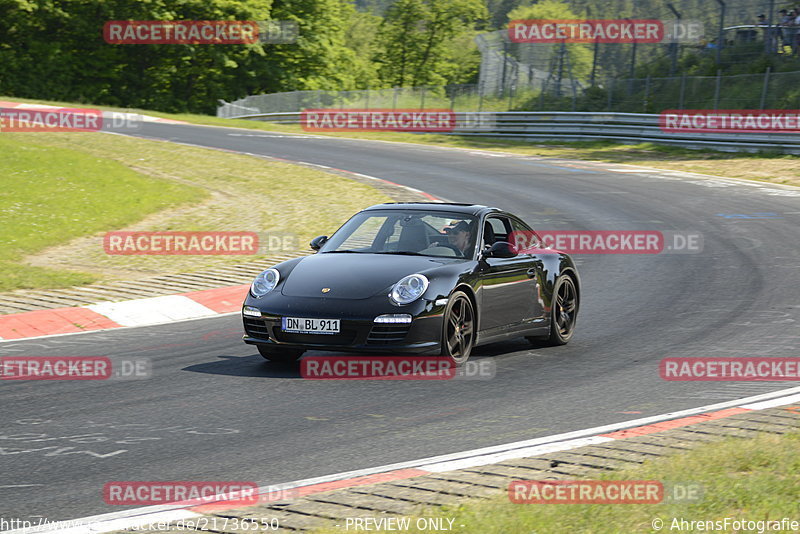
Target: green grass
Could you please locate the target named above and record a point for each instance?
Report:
(50, 195)
(754, 479)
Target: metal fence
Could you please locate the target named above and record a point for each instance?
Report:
(746, 91)
(633, 95)
(461, 97)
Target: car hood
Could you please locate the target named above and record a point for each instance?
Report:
(353, 276)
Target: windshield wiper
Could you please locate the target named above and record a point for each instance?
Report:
(345, 252)
(402, 253)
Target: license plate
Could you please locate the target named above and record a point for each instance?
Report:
(302, 325)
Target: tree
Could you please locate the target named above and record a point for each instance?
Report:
(319, 59)
(580, 55)
(417, 37)
(54, 49)
(360, 36)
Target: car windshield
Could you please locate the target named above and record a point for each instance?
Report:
(406, 232)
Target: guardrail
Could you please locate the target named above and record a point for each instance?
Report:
(592, 126)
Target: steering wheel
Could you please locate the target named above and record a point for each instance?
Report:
(452, 247)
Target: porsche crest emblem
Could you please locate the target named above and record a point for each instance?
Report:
(325, 289)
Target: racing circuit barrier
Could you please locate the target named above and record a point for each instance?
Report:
(591, 126)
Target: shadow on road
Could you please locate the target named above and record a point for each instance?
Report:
(256, 366)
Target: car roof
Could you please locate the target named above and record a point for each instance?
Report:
(450, 207)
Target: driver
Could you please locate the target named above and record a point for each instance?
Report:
(460, 236)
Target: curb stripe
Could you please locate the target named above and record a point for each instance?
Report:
(536, 450)
(56, 321)
(675, 423)
(106, 114)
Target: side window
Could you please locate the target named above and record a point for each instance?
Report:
(495, 229)
(522, 237)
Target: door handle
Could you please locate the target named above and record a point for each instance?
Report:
(531, 272)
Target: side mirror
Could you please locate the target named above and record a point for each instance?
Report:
(318, 241)
(500, 249)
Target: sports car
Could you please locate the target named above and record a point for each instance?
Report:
(415, 278)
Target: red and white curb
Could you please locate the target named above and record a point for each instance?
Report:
(438, 464)
(129, 313)
(118, 115)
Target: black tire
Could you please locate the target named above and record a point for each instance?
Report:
(458, 329)
(563, 311)
(279, 354)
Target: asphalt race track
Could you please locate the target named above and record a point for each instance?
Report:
(214, 410)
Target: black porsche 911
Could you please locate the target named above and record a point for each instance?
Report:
(414, 278)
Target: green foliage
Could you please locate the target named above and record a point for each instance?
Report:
(580, 55)
(361, 37)
(418, 39)
(319, 60)
(54, 49)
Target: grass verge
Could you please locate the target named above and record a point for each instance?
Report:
(62, 191)
(765, 167)
(752, 480)
(50, 195)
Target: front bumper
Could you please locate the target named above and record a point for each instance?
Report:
(357, 332)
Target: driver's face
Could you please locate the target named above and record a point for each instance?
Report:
(459, 239)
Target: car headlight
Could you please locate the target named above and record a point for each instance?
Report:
(265, 282)
(409, 289)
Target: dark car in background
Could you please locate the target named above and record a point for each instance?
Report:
(414, 278)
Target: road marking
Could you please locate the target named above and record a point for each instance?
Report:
(763, 405)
